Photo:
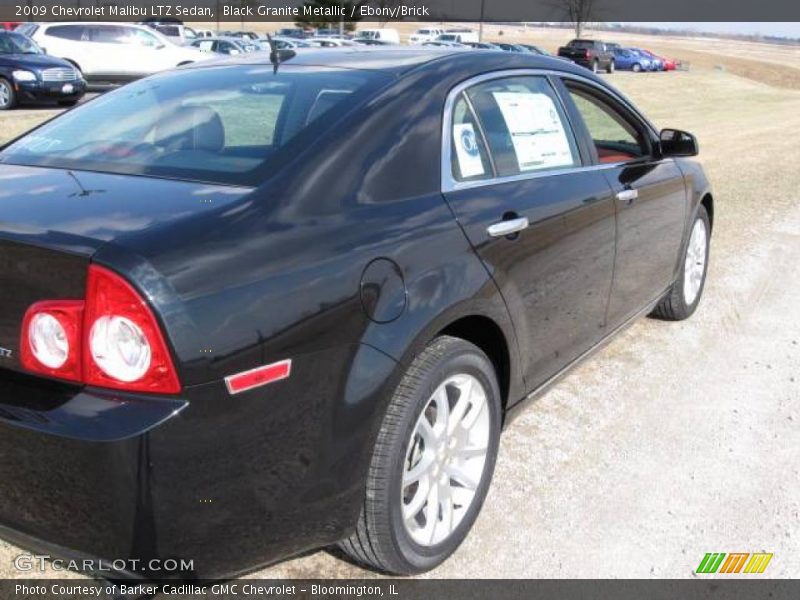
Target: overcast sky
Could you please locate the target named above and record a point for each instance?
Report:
(779, 29)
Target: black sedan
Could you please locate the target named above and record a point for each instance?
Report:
(28, 75)
(249, 310)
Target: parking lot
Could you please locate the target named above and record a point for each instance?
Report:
(676, 439)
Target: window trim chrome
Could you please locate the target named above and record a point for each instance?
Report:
(450, 184)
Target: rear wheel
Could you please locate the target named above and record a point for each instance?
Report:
(8, 99)
(636, 68)
(684, 296)
(433, 461)
(595, 66)
(610, 68)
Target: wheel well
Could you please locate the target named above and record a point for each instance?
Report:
(486, 335)
(708, 204)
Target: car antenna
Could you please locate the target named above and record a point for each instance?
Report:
(275, 55)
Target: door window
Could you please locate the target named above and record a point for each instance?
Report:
(468, 155)
(67, 32)
(108, 34)
(617, 136)
(142, 38)
(525, 126)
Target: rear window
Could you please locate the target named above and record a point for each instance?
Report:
(228, 125)
(581, 44)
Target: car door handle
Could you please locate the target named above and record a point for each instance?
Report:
(510, 227)
(627, 195)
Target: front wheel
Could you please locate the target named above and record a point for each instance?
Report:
(637, 67)
(684, 296)
(433, 461)
(595, 66)
(8, 98)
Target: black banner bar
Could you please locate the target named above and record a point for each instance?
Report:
(733, 588)
(403, 10)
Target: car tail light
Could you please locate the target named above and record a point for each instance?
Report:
(123, 345)
(111, 339)
(588, 54)
(51, 339)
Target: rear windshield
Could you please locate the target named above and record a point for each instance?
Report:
(230, 125)
(581, 44)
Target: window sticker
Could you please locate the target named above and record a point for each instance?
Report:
(467, 151)
(539, 138)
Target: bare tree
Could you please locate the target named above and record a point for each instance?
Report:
(579, 13)
(386, 5)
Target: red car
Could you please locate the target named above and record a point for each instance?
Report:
(670, 64)
(8, 25)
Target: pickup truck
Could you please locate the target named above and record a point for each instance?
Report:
(592, 54)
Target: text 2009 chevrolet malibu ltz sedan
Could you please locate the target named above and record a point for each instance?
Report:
(248, 312)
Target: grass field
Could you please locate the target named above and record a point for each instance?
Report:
(599, 479)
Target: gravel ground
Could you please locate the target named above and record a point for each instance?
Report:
(676, 439)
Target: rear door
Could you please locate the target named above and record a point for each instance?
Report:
(515, 176)
(650, 197)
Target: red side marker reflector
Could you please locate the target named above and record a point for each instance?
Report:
(248, 380)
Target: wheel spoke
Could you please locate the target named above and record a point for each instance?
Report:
(420, 469)
(411, 509)
(442, 411)
(467, 452)
(461, 476)
(462, 404)
(431, 513)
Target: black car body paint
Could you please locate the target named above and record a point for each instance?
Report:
(273, 272)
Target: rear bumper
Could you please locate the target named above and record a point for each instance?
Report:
(223, 483)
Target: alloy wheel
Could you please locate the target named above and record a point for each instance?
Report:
(445, 460)
(5, 94)
(695, 265)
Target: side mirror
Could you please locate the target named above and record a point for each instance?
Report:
(675, 142)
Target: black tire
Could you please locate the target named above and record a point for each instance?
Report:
(8, 98)
(673, 307)
(636, 68)
(381, 540)
(595, 66)
(610, 68)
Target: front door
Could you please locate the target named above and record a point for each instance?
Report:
(650, 196)
(543, 224)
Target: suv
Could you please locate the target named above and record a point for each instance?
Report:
(592, 54)
(111, 52)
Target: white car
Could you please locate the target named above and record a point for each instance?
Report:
(111, 52)
(462, 36)
(390, 36)
(427, 34)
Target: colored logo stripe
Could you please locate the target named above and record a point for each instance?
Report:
(758, 563)
(713, 562)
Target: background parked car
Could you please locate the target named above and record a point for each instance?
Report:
(27, 75)
(282, 43)
(482, 45)
(293, 32)
(426, 34)
(225, 45)
(111, 52)
(629, 60)
(204, 33)
(446, 44)
(464, 34)
(381, 35)
(8, 25)
(329, 42)
(592, 54)
(505, 47)
(657, 64)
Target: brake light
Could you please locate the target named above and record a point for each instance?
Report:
(588, 54)
(111, 339)
(50, 343)
(123, 345)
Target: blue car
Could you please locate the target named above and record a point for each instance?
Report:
(657, 64)
(630, 59)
